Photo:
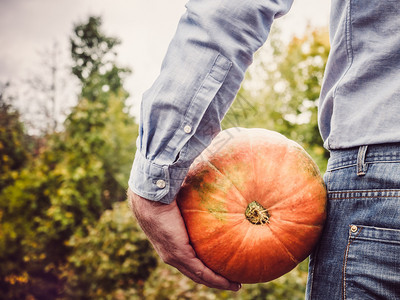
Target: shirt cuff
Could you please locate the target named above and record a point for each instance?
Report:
(155, 182)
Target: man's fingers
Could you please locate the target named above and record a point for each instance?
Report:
(218, 281)
(199, 273)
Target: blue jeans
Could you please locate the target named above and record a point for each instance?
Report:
(358, 256)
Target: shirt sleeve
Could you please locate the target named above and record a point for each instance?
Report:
(200, 76)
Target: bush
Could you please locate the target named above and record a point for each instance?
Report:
(112, 261)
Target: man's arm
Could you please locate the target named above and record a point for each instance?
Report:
(181, 113)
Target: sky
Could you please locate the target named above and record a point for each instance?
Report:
(145, 27)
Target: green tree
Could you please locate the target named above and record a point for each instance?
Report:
(30, 256)
(13, 140)
(76, 175)
(112, 261)
(13, 157)
(93, 53)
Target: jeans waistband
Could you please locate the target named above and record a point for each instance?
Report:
(361, 156)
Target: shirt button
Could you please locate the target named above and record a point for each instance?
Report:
(187, 129)
(353, 228)
(160, 183)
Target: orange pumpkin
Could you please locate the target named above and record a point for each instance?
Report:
(253, 204)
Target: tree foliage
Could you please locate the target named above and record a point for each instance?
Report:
(74, 177)
(93, 53)
(13, 140)
(115, 258)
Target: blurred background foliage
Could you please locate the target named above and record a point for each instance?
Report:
(65, 229)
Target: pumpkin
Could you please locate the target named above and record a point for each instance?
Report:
(254, 204)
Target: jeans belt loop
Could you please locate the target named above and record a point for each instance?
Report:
(361, 164)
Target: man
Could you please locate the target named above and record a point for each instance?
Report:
(359, 117)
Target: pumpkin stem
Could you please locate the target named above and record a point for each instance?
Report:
(257, 214)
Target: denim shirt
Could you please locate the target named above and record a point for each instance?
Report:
(205, 65)
(360, 97)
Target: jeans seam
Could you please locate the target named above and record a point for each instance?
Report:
(371, 190)
(363, 197)
(316, 251)
(346, 253)
(341, 167)
(367, 163)
(313, 271)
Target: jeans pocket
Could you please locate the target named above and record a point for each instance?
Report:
(371, 267)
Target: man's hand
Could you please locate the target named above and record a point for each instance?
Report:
(165, 228)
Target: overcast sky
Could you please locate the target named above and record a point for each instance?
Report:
(144, 26)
